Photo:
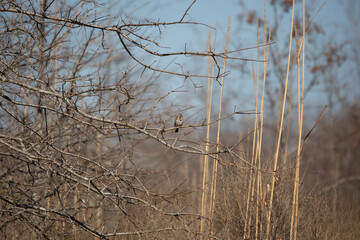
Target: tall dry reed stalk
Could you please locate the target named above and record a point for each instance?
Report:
(259, 145)
(204, 192)
(295, 205)
(251, 183)
(215, 165)
(277, 149)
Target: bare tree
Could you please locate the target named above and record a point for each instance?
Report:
(79, 93)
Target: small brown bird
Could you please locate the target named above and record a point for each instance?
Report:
(179, 120)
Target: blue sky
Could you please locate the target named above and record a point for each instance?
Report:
(216, 13)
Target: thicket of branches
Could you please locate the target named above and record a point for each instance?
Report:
(78, 97)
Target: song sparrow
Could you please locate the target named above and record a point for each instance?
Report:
(179, 120)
